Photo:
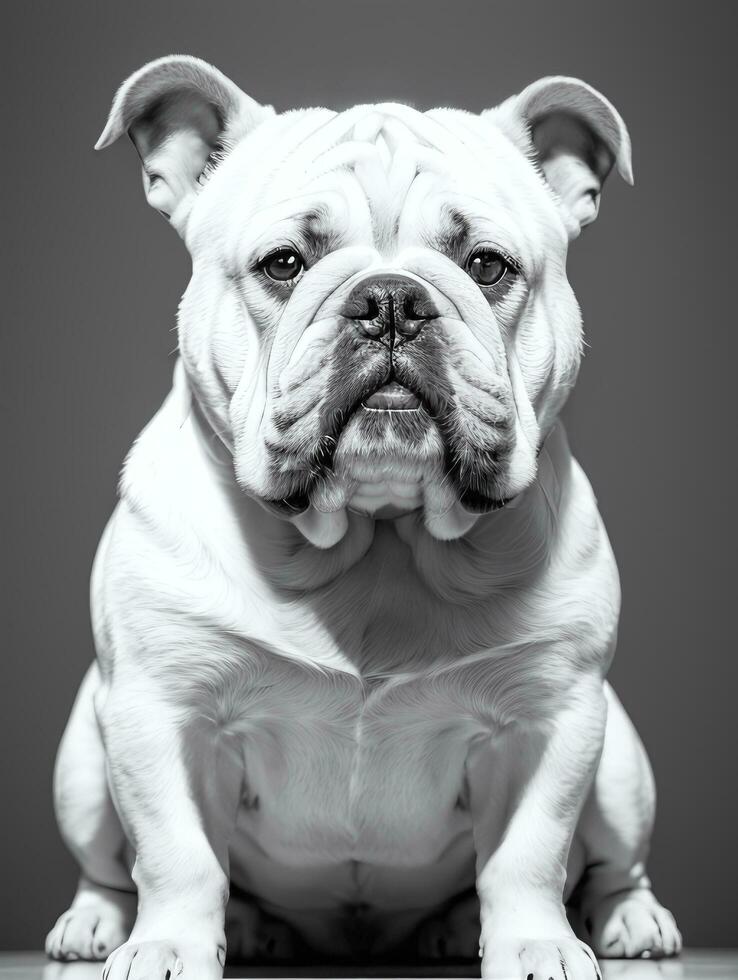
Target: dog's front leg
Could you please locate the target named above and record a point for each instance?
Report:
(164, 767)
(526, 790)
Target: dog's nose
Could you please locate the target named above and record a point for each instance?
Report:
(394, 305)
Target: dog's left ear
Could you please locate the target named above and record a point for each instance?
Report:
(179, 111)
(575, 135)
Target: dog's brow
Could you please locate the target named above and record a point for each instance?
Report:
(454, 232)
(313, 230)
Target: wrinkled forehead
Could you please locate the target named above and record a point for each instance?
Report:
(382, 172)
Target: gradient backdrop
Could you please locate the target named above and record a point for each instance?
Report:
(91, 281)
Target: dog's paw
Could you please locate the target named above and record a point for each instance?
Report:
(453, 934)
(165, 960)
(632, 924)
(539, 959)
(97, 922)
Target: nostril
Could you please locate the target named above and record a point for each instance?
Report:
(408, 308)
(389, 305)
(414, 308)
(371, 311)
(365, 309)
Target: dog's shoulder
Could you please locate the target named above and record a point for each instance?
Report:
(171, 501)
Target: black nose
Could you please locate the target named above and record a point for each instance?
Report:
(393, 305)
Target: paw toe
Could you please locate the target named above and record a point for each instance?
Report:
(153, 959)
(55, 937)
(71, 937)
(671, 938)
(143, 961)
(84, 934)
(107, 937)
(610, 939)
(642, 931)
(76, 942)
(633, 925)
(536, 959)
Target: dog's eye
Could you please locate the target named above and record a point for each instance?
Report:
(283, 265)
(487, 267)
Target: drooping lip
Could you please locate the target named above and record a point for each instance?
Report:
(392, 397)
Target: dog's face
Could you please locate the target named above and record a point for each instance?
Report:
(379, 317)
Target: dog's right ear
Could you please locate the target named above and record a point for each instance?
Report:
(182, 115)
(574, 135)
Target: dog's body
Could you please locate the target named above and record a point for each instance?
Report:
(364, 715)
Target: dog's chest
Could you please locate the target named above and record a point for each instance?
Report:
(338, 767)
(355, 749)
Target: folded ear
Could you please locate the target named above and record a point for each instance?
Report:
(182, 114)
(575, 135)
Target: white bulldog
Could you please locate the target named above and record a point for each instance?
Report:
(355, 607)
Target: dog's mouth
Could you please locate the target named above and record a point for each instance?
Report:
(398, 447)
(392, 397)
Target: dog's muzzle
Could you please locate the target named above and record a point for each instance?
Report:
(389, 451)
(392, 310)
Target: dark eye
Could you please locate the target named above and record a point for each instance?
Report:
(487, 267)
(283, 265)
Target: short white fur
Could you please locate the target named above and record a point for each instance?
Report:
(408, 718)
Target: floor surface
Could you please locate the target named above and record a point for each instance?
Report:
(694, 964)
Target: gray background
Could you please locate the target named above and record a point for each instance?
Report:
(91, 281)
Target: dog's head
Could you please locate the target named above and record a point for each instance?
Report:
(379, 317)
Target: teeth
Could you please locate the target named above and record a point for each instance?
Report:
(322, 530)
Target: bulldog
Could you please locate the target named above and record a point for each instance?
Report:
(354, 609)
